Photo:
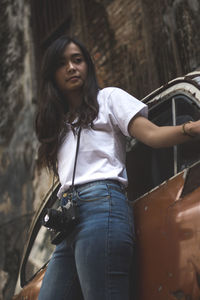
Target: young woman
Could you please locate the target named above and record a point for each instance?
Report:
(95, 262)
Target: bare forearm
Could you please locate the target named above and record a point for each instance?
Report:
(164, 136)
(167, 136)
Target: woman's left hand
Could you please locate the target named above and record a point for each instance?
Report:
(193, 128)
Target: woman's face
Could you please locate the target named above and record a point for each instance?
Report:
(72, 72)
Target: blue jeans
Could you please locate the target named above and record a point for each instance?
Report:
(94, 263)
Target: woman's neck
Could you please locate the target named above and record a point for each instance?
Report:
(74, 100)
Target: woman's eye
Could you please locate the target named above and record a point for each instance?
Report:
(78, 60)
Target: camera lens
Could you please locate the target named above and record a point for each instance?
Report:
(46, 218)
(53, 219)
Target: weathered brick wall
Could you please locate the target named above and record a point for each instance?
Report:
(139, 45)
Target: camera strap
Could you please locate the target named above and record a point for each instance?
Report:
(75, 161)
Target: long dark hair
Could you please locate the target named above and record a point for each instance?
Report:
(51, 114)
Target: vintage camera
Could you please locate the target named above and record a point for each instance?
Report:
(61, 221)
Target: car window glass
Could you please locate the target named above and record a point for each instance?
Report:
(143, 162)
(187, 153)
(40, 253)
(41, 249)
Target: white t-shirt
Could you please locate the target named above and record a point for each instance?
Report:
(102, 149)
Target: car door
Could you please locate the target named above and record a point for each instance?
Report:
(167, 216)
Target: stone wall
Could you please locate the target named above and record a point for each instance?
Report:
(17, 141)
(136, 45)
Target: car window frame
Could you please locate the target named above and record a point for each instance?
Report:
(173, 98)
(48, 201)
(154, 104)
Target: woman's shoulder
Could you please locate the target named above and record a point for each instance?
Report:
(108, 91)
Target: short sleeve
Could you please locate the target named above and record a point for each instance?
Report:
(124, 107)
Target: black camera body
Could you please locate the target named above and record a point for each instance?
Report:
(61, 221)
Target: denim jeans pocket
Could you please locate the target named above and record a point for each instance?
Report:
(93, 193)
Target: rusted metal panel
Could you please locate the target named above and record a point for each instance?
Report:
(31, 290)
(168, 240)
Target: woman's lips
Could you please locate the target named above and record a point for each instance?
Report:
(74, 78)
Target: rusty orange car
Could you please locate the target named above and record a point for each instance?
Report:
(164, 189)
